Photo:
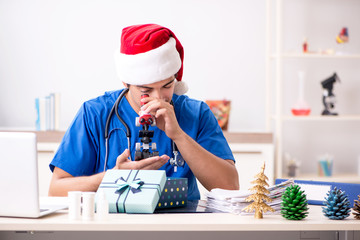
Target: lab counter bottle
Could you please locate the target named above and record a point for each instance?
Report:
(102, 205)
(88, 206)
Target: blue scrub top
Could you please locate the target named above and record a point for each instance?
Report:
(82, 150)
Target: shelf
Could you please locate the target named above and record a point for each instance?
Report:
(282, 61)
(345, 178)
(42, 136)
(318, 55)
(319, 118)
(248, 137)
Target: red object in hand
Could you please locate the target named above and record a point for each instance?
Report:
(142, 97)
(145, 117)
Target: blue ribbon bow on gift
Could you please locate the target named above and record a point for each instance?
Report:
(123, 185)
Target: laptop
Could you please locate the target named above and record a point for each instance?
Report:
(19, 188)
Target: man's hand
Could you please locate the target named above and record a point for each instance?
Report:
(164, 114)
(151, 163)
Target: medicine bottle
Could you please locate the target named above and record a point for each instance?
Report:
(88, 206)
(102, 205)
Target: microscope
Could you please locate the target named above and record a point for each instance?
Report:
(328, 95)
(142, 150)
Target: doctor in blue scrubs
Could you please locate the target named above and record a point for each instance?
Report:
(149, 61)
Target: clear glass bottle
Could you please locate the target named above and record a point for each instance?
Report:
(301, 108)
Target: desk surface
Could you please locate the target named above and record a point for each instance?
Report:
(180, 222)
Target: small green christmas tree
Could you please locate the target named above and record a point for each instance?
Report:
(259, 196)
(356, 208)
(294, 203)
(337, 205)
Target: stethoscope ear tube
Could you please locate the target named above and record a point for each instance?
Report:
(115, 107)
(128, 133)
(106, 134)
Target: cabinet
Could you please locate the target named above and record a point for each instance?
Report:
(308, 137)
(48, 143)
(46, 152)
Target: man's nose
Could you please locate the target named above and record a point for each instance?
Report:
(156, 94)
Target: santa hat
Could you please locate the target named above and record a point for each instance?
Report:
(150, 53)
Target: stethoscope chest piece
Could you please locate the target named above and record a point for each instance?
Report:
(177, 160)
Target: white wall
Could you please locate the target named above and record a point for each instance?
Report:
(67, 47)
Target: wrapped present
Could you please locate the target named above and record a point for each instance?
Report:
(174, 193)
(133, 191)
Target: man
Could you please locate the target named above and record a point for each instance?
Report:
(150, 61)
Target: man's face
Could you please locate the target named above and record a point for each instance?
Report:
(162, 90)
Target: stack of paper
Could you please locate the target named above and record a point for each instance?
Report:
(233, 201)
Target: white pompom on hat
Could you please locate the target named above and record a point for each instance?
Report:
(150, 53)
(180, 87)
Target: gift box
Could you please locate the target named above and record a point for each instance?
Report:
(133, 191)
(174, 193)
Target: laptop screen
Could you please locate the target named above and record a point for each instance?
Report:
(18, 174)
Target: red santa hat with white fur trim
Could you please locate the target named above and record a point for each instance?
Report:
(150, 53)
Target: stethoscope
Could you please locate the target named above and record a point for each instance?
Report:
(176, 161)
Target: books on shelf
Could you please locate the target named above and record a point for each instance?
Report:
(233, 201)
(48, 112)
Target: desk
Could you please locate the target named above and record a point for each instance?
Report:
(224, 224)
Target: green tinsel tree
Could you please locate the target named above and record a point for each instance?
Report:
(294, 203)
(337, 205)
(356, 208)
